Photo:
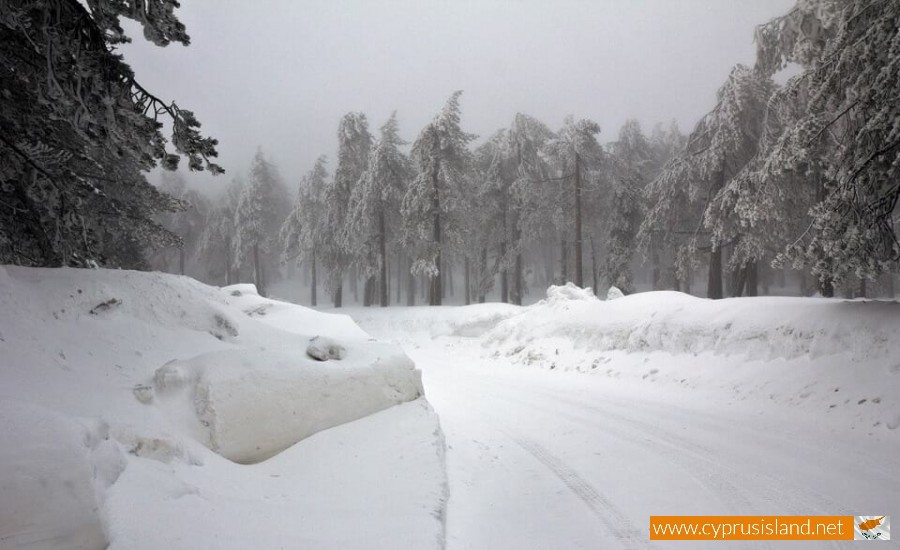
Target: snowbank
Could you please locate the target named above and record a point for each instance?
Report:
(759, 328)
(249, 405)
(119, 388)
(830, 358)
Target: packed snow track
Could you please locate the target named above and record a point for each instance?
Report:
(549, 458)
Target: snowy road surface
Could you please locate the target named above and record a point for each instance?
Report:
(541, 458)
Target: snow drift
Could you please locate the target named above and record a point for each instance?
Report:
(120, 390)
(823, 356)
(250, 405)
(759, 328)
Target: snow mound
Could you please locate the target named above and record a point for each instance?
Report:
(766, 328)
(823, 355)
(568, 292)
(325, 349)
(614, 293)
(418, 322)
(47, 480)
(249, 405)
(138, 384)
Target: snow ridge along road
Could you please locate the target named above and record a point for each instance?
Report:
(540, 455)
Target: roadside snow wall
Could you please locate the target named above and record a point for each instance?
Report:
(761, 328)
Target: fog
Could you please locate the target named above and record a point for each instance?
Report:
(278, 74)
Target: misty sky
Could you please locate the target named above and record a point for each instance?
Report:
(279, 74)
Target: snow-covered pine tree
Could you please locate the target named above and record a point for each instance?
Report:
(719, 147)
(375, 209)
(631, 162)
(486, 232)
(526, 140)
(354, 146)
(508, 171)
(79, 132)
(303, 231)
(441, 160)
(850, 56)
(217, 241)
(575, 149)
(665, 145)
(188, 224)
(258, 219)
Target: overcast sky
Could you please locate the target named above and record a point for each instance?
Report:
(279, 74)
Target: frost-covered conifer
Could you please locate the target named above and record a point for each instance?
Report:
(375, 209)
(441, 160)
(576, 151)
(217, 241)
(354, 145)
(685, 196)
(79, 133)
(302, 233)
(258, 220)
(846, 136)
(631, 162)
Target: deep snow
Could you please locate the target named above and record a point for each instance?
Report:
(128, 399)
(150, 411)
(571, 421)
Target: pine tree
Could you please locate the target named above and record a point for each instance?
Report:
(354, 145)
(684, 197)
(526, 140)
(79, 133)
(375, 208)
(303, 232)
(441, 158)
(188, 224)
(632, 164)
(217, 241)
(846, 134)
(577, 150)
(258, 219)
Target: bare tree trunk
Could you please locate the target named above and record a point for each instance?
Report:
(449, 267)
(313, 292)
(504, 284)
(548, 265)
(738, 281)
(482, 274)
(410, 285)
(257, 267)
(181, 260)
(564, 260)
(826, 287)
(752, 278)
(369, 291)
(229, 280)
(595, 274)
(518, 280)
(382, 251)
(339, 296)
(400, 263)
(579, 263)
(654, 254)
(862, 288)
(467, 281)
(714, 282)
(354, 284)
(435, 291)
(891, 292)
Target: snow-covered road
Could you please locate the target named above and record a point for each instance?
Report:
(548, 459)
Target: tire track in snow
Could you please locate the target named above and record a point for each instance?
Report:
(613, 518)
(695, 460)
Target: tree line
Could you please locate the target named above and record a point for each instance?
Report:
(800, 175)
